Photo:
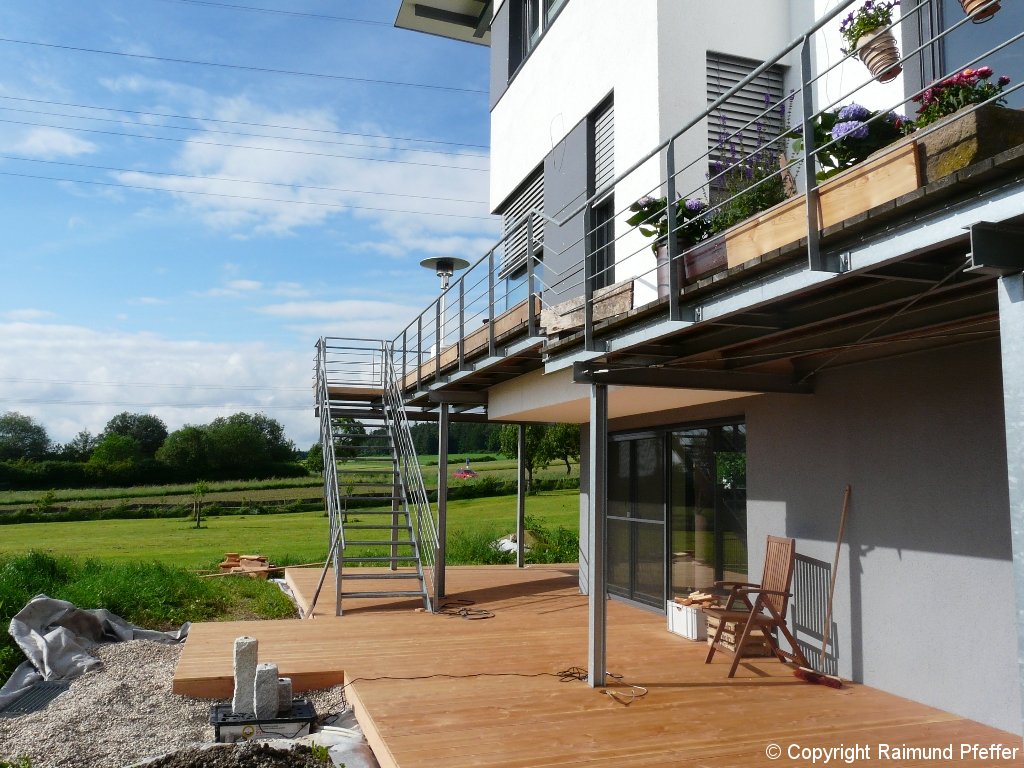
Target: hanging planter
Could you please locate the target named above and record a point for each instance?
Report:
(880, 54)
(980, 10)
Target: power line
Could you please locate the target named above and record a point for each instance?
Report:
(284, 13)
(244, 197)
(243, 122)
(163, 385)
(261, 406)
(242, 133)
(238, 146)
(245, 67)
(242, 181)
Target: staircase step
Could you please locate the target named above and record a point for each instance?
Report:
(357, 559)
(343, 470)
(396, 593)
(348, 575)
(387, 543)
(378, 527)
(369, 511)
(370, 497)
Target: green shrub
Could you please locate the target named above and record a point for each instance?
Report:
(148, 594)
(476, 548)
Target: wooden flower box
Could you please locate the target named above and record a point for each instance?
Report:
(968, 137)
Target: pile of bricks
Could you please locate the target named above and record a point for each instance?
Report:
(255, 566)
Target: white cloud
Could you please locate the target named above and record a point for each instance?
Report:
(290, 290)
(27, 315)
(148, 301)
(107, 371)
(307, 190)
(50, 143)
(347, 317)
(244, 285)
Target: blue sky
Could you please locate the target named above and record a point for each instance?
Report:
(123, 288)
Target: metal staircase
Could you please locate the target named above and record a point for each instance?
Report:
(377, 505)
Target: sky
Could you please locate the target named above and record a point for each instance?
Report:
(179, 224)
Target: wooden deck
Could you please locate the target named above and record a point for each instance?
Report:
(486, 693)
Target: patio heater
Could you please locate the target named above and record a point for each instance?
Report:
(444, 267)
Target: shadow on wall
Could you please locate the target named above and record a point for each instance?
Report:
(807, 612)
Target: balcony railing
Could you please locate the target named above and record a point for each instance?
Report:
(483, 311)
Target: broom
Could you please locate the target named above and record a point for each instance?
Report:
(806, 673)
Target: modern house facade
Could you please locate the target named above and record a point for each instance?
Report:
(864, 331)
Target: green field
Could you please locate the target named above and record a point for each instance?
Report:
(286, 538)
(236, 492)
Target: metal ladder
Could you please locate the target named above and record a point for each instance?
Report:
(373, 487)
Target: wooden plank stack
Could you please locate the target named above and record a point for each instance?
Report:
(758, 646)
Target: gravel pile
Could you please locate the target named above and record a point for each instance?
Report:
(119, 714)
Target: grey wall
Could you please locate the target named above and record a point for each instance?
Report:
(499, 54)
(924, 593)
(566, 180)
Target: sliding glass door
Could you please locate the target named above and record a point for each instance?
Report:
(708, 507)
(636, 518)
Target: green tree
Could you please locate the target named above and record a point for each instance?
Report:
(199, 490)
(236, 446)
(80, 447)
(185, 449)
(147, 430)
(115, 452)
(561, 442)
(22, 437)
(535, 457)
(347, 444)
(271, 442)
(315, 459)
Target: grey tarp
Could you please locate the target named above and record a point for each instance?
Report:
(57, 637)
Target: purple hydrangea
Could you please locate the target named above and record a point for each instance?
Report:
(695, 205)
(854, 112)
(893, 117)
(645, 201)
(850, 129)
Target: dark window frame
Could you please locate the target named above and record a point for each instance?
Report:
(521, 43)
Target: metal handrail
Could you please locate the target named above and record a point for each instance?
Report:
(410, 473)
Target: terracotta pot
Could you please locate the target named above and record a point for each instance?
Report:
(880, 54)
(976, 10)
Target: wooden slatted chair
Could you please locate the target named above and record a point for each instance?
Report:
(765, 613)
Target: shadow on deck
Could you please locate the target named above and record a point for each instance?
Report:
(443, 690)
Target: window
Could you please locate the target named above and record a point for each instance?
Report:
(602, 173)
(512, 266)
(528, 21)
(730, 138)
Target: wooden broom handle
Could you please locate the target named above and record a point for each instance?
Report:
(832, 580)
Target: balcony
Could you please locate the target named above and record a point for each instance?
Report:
(764, 301)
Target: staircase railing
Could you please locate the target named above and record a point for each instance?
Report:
(410, 473)
(332, 495)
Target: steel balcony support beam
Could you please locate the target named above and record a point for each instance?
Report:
(684, 378)
(1011, 339)
(596, 545)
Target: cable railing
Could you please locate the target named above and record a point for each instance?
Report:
(698, 200)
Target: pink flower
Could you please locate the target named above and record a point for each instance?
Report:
(1004, 80)
(984, 72)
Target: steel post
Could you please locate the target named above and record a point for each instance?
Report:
(1011, 340)
(442, 503)
(596, 547)
(521, 499)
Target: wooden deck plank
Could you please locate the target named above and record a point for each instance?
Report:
(466, 712)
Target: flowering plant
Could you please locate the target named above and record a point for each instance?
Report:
(852, 132)
(650, 216)
(968, 87)
(869, 17)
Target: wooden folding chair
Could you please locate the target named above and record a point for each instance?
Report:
(765, 613)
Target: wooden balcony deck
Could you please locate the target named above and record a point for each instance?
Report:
(485, 693)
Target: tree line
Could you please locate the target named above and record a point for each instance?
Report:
(137, 448)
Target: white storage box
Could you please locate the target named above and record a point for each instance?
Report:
(686, 620)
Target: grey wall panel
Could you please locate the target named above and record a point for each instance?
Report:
(565, 184)
(924, 597)
(499, 54)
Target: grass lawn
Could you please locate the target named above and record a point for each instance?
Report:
(290, 538)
